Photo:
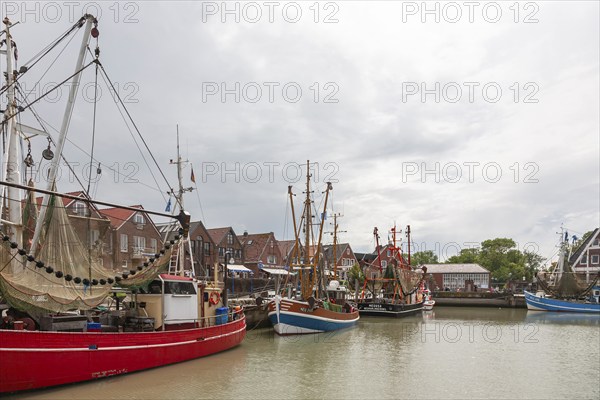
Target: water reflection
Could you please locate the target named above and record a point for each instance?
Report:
(449, 353)
(563, 318)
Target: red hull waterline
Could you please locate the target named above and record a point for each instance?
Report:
(36, 359)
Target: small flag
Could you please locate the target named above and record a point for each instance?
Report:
(193, 177)
(168, 205)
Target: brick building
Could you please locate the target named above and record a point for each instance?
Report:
(225, 240)
(261, 251)
(344, 259)
(464, 277)
(201, 243)
(133, 237)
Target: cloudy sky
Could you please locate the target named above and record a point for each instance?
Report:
(468, 122)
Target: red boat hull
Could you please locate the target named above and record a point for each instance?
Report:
(36, 359)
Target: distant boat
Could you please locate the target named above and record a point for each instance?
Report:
(429, 302)
(316, 309)
(63, 321)
(563, 291)
(395, 295)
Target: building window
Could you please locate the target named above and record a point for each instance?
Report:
(94, 237)
(584, 259)
(595, 259)
(138, 218)
(80, 208)
(124, 264)
(238, 254)
(229, 238)
(596, 242)
(139, 244)
(271, 260)
(221, 251)
(389, 253)
(153, 245)
(384, 264)
(124, 243)
(207, 248)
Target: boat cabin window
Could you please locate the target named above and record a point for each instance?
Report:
(336, 295)
(179, 288)
(154, 288)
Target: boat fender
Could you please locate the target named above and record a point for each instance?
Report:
(214, 298)
(311, 302)
(259, 301)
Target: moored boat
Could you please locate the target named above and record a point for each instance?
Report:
(395, 293)
(316, 309)
(540, 302)
(67, 317)
(562, 290)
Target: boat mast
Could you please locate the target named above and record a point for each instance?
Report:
(318, 252)
(296, 249)
(179, 198)
(12, 173)
(408, 239)
(307, 291)
(335, 226)
(90, 20)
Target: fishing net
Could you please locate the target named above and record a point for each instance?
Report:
(36, 288)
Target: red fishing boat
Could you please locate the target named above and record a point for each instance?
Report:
(66, 316)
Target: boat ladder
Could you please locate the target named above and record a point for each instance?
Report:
(174, 262)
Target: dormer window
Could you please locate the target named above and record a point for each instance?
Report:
(139, 219)
(80, 208)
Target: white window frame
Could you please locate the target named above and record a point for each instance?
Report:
(139, 244)
(124, 243)
(271, 260)
(153, 245)
(139, 219)
(595, 259)
(80, 208)
(583, 260)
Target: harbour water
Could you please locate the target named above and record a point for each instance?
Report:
(449, 353)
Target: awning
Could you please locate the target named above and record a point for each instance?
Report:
(238, 268)
(276, 271)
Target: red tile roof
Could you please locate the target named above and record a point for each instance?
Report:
(118, 216)
(255, 246)
(217, 234)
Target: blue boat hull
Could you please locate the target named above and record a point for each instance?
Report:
(538, 303)
(291, 317)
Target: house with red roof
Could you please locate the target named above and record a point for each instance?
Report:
(343, 260)
(261, 251)
(92, 228)
(133, 237)
(225, 240)
(204, 253)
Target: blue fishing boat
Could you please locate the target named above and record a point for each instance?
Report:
(539, 302)
(562, 290)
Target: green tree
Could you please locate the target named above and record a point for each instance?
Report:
(356, 273)
(466, 256)
(424, 257)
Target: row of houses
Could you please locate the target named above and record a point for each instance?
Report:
(125, 238)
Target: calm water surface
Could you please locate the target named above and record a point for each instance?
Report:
(450, 353)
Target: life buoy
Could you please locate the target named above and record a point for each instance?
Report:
(214, 298)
